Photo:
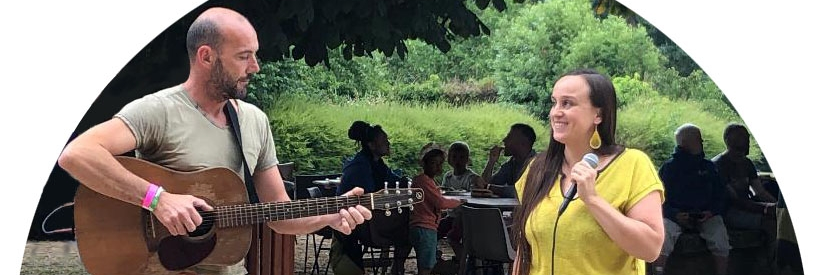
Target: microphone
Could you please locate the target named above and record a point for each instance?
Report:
(591, 159)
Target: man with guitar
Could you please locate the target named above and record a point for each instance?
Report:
(187, 128)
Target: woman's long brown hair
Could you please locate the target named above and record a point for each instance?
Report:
(546, 167)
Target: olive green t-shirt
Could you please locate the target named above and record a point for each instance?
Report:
(171, 131)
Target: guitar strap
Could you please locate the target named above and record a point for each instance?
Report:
(253, 258)
(229, 109)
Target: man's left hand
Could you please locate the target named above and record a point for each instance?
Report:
(348, 218)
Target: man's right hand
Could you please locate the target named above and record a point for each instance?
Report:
(495, 152)
(179, 213)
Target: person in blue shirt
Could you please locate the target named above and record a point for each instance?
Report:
(695, 198)
(366, 170)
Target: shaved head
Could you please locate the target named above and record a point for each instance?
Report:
(208, 29)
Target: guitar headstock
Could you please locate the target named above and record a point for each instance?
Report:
(395, 198)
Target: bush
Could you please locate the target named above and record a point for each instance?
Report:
(459, 92)
(698, 87)
(429, 91)
(613, 48)
(630, 89)
(528, 50)
(649, 123)
(313, 134)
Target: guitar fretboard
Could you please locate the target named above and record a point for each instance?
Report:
(250, 214)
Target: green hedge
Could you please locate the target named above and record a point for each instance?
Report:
(314, 134)
(649, 123)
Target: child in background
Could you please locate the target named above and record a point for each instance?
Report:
(425, 215)
(460, 178)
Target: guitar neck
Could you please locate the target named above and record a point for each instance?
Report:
(250, 214)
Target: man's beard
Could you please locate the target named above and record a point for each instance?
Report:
(225, 86)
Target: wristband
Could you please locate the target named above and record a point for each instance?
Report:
(150, 194)
(155, 199)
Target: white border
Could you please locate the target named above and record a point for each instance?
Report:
(766, 59)
(59, 55)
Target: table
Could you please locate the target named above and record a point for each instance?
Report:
(328, 183)
(506, 204)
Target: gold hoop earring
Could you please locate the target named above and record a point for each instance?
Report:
(595, 140)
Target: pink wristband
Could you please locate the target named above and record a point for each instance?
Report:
(150, 194)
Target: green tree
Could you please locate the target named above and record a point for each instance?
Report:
(528, 49)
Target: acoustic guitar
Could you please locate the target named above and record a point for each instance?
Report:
(114, 237)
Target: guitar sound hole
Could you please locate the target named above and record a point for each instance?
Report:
(178, 253)
(201, 230)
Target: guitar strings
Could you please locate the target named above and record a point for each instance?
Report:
(234, 215)
(250, 214)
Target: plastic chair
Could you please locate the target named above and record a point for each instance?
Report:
(486, 238)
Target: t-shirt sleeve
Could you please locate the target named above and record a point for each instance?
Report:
(522, 181)
(146, 118)
(503, 175)
(645, 179)
(267, 157)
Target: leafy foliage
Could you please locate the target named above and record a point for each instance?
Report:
(515, 67)
(613, 48)
(631, 89)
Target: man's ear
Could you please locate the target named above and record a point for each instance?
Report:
(205, 55)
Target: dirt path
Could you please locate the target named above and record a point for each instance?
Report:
(47, 258)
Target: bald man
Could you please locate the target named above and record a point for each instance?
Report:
(184, 128)
(694, 199)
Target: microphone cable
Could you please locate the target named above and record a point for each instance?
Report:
(553, 250)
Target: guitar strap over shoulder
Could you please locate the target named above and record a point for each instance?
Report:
(229, 109)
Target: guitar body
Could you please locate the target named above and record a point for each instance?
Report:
(114, 237)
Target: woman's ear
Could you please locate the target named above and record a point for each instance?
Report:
(598, 119)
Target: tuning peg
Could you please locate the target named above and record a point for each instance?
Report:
(411, 207)
(397, 191)
(386, 191)
(387, 213)
(399, 210)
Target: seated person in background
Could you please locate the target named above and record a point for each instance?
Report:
(694, 199)
(368, 171)
(787, 246)
(425, 215)
(460, 178)
(518, 144)
(746, 209)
